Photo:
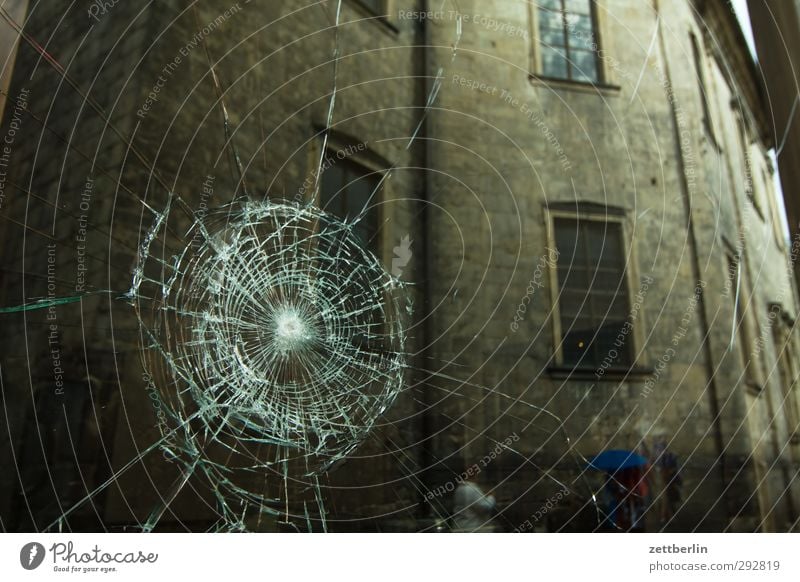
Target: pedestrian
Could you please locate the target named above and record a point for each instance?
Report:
(472, 508)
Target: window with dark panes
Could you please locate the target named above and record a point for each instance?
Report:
(568, 40)
(346, 189)
(593, 301)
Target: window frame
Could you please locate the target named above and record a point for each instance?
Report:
(752, 182)
(636, 370)
(784, 345)
(604, 73)
(372, 162)
(366, 159)
(746, 322)
(350, 172)
(704, 82)
(770, 194)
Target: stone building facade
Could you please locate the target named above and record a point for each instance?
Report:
(776, 28)
(665, 154)
(595, 256)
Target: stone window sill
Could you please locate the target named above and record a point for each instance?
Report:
(580, 86)
(632, 374)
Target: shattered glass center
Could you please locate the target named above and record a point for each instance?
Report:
(292, 333)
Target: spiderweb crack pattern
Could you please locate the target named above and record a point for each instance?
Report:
(280, 339)
(275, 341)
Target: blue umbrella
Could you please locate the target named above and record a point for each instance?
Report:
(616, 460)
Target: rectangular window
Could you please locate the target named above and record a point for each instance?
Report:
(568, 42)
(750, 188)
(787, 367)
(744, 145)
(346, 189)
(768, 188)
(593, 299)
(708, 122)
(740, 332)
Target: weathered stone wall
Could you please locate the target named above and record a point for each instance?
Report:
(510, 146)
(498, 148)
(148, 70)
